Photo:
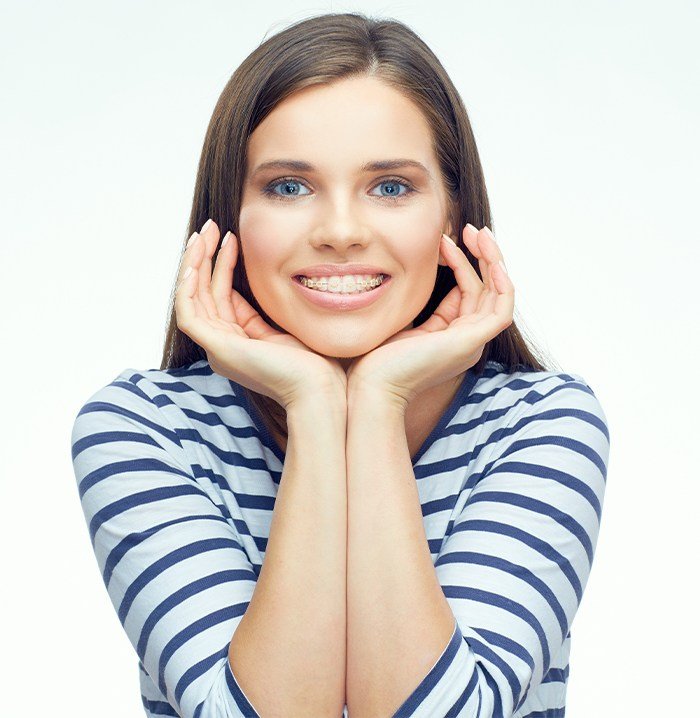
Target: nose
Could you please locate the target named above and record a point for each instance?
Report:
(341, 226)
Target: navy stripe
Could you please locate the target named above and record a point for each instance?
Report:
(539, 507)
(411, 704)
(507, 604)
(513, 569)
(533, 542)
(171, 559)
(188, 591)
(178, 476)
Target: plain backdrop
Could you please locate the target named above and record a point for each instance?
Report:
(586, 118)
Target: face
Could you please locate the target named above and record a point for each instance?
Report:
(339, 212)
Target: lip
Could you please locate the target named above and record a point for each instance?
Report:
(328, 270)
(343, 302)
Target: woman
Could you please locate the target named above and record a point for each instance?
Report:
(437, 489)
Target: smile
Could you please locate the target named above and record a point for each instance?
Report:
(348, 284)
(343, 296)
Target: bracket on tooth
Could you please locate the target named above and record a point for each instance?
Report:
(373, 283)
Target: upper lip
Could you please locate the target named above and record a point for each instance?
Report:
(327, 270)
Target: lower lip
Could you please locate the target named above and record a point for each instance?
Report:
(331, 300)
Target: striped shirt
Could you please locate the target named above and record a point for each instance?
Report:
(177, 478)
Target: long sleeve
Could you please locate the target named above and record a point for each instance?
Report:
(173, 565)
(515, 563)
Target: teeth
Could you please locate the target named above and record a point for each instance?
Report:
(345, 284)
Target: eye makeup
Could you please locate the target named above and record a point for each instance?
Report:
(269, 189)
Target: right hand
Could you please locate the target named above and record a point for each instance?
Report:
(239, 344)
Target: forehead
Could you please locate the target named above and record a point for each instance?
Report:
(343, 125)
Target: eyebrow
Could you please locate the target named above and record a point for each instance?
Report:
(377, 166)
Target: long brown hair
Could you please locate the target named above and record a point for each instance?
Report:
(318, 51)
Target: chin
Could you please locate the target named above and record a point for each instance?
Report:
(345, 351)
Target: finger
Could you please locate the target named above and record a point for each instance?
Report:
(487, 302)
(504, 304)
(250, 320)
(469, 235)
(497, 314)
(210, 239)
(222, 279)
(445, 313)
(500, 282)
(496, 250)
(500, 302)
(491, 251)
(188, 317)
(468, 280)
(192, 258)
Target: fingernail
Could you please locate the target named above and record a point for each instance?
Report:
(490, 233)
(205, 226)
(187, 273)
(472, 228)
(192, 238)
(449, 239)
(503, 266)
(225, 239)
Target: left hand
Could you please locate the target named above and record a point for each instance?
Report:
(453, 339)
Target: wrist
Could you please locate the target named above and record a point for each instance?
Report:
(324, 400)
(361, 396)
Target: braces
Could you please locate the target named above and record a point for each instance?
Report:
(324, 283)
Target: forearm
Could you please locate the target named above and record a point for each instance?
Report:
(399, 620)
(288, 652)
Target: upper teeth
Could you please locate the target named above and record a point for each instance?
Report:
(348, 281)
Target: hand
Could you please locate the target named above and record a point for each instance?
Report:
(453, 339)
(239, 344)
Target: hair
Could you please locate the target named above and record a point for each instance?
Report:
(319, 51)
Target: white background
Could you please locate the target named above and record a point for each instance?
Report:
(586, 118)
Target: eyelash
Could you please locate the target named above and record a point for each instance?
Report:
(269, 189)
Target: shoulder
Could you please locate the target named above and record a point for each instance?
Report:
(544, 441)
(158, 392)
(160, 402)
(541, 401)
(527, 387)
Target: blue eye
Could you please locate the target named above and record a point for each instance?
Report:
(288, 183)
(396, 182)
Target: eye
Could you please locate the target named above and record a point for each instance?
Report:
(287, 183)
(395, 181)
(290, 189)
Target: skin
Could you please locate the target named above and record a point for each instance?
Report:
(393, 375)
(338, 213)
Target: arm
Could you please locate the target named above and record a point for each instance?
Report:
(399, 620)
(513, 566)
(288, 653)
(176, 571)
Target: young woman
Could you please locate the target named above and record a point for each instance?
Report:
(351, 488)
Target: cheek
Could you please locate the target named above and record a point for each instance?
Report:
(419, 247)
(264, 238)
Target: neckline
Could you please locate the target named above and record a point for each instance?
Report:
(468, 381)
